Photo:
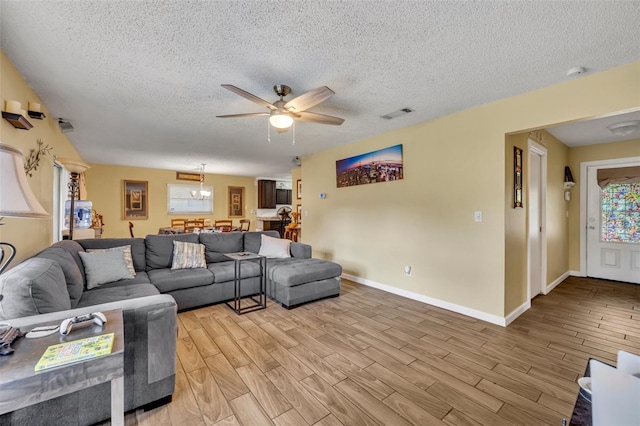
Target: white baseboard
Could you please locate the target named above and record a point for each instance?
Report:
(557, 281)
(517, 312)
(577, 274)
(493, 319)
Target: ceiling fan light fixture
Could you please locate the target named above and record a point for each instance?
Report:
(280, 119)
(624, 128)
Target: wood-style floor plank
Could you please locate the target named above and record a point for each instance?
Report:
(306, 404)
(372, 358)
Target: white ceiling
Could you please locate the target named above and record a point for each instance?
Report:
(593, 132)
(140, 81)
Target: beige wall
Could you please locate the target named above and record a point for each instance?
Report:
(515, 250)
(583, 154)
(454, 165)
(30, 235)
(557, 222)
(516, 220)
(104, 189)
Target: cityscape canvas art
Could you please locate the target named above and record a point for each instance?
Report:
(383, 165)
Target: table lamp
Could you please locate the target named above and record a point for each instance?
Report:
(16, 198)
(75, 167)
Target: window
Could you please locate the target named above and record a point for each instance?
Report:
(620, 206)
(180, 200)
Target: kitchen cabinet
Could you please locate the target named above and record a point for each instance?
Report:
(283, 196)
(266, 194)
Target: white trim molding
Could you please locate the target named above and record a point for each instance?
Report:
(557, 281)
(517, 312)
(493, 319)
(540, 150)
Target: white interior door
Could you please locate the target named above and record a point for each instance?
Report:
(536, 261)
(613, 260)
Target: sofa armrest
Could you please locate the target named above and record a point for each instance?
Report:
(300, 250)
(150, 327)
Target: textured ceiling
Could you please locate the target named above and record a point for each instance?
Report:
(140, 81)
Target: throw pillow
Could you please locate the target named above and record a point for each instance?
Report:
(188, 255)
(103, 267)
(126, 253)
(274, 248)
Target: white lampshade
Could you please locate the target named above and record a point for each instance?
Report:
(280, 120)
(16, 198)
(73, 165)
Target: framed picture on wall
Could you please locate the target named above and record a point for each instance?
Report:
(517, 177)
(299, 189)
(299, 210)
(135, 200)
(236, 201)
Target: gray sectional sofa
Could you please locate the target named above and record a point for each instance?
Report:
(52, 286)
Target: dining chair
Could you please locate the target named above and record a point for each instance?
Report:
(245, 224)
(225, 225)
(207, 221)
(193, 224)
(177, 222)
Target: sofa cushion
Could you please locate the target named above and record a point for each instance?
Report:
(104, 266)
(253, 240)
(225, 271)
(138, 248)
(219, 243)
(36, 286)
(289, 272)
(159, 253)
(73, 247)
(188, 255)
(274, 248)
(116, 291)
(70, 269)
(169, 280)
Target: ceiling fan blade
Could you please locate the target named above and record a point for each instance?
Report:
(314, 117)
(309, 99)
(247, 95)
(249, 114)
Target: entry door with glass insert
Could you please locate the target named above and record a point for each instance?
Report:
(613, 224)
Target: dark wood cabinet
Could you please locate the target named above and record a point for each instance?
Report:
(266, 194)
(283, 196)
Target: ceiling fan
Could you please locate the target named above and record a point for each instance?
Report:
(282, 113)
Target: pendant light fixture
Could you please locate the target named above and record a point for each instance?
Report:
(202, 194)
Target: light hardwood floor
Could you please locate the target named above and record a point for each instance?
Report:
(373, 358)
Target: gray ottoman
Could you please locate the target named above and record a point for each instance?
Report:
(293, 282)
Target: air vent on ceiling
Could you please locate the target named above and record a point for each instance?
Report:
(397, 113)
(64, 125)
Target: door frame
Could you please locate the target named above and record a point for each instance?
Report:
(542, 152)
(584, 191)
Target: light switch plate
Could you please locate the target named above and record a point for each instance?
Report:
(477, 216)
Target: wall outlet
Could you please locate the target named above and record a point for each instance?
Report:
(477, 216)
(407, 270)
